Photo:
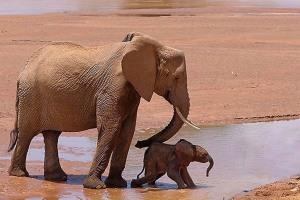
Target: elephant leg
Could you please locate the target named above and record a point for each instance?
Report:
(173, 173)
(150, 175)
(187, 178)
(139, 182)
(157, 177)
(120, 153)
(107, 133)
(52, 168)
(18, 161)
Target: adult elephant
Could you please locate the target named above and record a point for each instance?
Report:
(68, 87)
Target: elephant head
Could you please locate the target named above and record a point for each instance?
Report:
(152, 67)
(186, 152)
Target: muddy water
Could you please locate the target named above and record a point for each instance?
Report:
(48, 6)
(246, 156)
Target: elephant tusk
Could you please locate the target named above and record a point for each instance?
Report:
(185, 120)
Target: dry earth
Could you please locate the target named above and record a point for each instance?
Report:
(242, 65)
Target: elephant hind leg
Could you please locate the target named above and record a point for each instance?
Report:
(139, 182)
(150, 176)
(18, 160)
(52, 168)
(156, 178)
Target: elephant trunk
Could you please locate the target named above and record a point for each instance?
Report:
(171, 129)
(211, 164)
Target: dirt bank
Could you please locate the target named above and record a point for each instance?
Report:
(242, 65)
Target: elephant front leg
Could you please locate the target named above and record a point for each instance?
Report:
(173, 173)
(120, 153)
(106, 140)
(187, 178)
(52, 168)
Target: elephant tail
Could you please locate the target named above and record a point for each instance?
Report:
(138, 176)
(15, 132)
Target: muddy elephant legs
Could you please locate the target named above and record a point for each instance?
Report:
(52, 168)
(120, 152)
(18, 161)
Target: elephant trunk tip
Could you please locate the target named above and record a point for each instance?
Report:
(143, 143)
(211, 164)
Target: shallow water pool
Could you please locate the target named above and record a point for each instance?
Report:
(246, 156)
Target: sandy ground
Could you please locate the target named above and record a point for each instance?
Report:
(242, 65)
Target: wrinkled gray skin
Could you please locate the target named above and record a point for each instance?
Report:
(68, 87)
(163, 158)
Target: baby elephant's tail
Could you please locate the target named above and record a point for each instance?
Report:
(138, 176)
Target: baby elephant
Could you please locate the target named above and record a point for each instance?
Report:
(163, 158)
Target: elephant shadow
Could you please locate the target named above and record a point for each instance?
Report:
(76, 179)
(73, 179)
(169, 186)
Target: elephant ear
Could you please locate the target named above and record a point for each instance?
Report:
(139, 65)
(185, 152)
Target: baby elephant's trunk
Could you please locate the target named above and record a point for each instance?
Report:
(211, 164)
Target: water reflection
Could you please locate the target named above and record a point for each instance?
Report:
(70, 148)
(48, 6)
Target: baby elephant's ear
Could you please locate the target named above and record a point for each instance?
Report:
(184, 152)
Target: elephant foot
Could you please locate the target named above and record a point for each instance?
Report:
(181, 187)
(15, 170)
(93, 183)
(192, 187)
(115, 182)
(58, 175)
(134, 184)
(151, 183)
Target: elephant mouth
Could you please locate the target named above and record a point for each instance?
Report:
(186, 121)
(167, 96)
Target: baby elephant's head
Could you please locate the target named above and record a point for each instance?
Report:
(187, 152)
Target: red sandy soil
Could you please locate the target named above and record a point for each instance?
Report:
(243, 65)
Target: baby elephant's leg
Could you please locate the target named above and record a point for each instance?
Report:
(150, 175)
(173, 173)
(156, 178)
(187, 178)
